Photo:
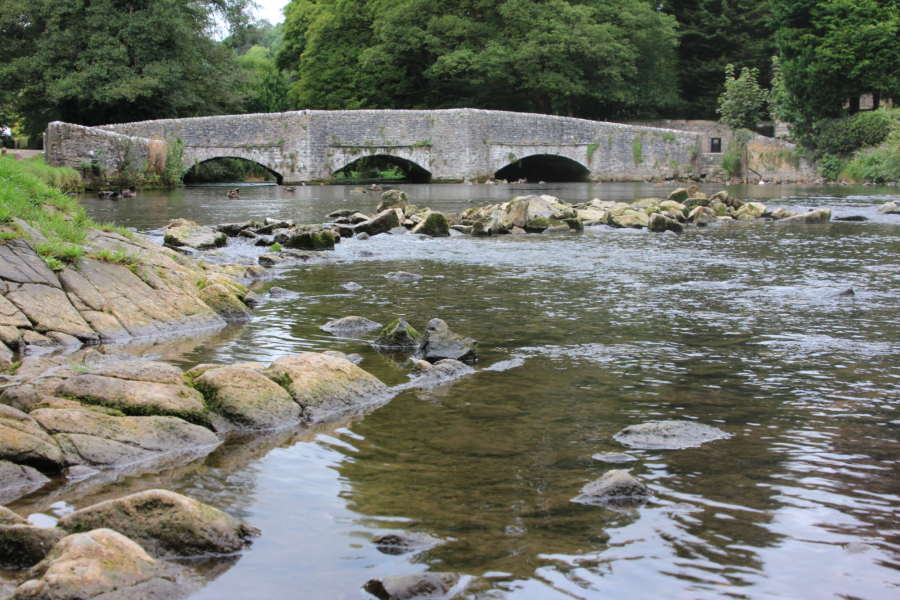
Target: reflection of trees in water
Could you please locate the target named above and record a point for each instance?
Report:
(494, 466)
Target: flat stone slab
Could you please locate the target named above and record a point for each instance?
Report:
(616, 486)
(351, 325)
(669, 435)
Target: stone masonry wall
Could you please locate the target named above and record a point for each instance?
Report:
(79, 147)
(454, 144)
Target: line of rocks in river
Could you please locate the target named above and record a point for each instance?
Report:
(684, 207)
(123, 288)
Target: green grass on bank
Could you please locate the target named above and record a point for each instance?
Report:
(62, 178)
(28, 191)
(864, 147)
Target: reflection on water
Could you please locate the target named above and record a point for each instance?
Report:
(740, 327)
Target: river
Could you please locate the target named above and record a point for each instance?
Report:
(740, 327)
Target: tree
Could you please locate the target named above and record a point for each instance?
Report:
(714, 33)
(743, 102)
(834, 50)
(103, 61)
(592, 58)
(265, 87)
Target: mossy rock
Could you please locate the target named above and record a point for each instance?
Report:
(679, 195)
(398, 334)
(434, 224)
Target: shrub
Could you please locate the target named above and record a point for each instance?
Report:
(842, 137)
(876, 165)
(743, 102)
(831, 166)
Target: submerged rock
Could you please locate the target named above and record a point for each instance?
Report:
(398, 334)
(350, 325)
(614, 486)
(441, 372)
(613, 457)
(166, 524)
(431, 586)
(668, 435)
(439, 343)
(402, 276)
(100, 564)
(404, 542)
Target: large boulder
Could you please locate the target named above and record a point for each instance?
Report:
(439, 343)
(326, 386)
(18, 480)
(678, 195)
(630, 218)
(702, 215)
(99, 564)
(164, 523)
(434, 224)
(398, 334)
(8, 517)
(23, 546)
(182, 232)
(88, 437)
(24, 441)
(382, 222)
(135, 397)
(247, 398)
(668, 435)
(614, 486)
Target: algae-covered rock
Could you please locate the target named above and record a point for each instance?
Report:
(327, 387)
(398, 334)
(750, 210)
(440, 342)
(659, 223)
(678, 195)
(23, 546)
(89, 437)
(630, 218)
(165, 524)
(614, 486)
(100, 564)
(182, 232)
(434, 224)
(134, 397)
(225, 303)
(309, 238)
(702, 215)
(247, 399)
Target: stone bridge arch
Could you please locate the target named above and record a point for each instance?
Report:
(197, 156)
(544, 167)
(340, 156)
(279, 178)
(415, 173)
(508, 158)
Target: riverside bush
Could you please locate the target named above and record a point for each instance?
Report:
(841, 137)
(876, 165)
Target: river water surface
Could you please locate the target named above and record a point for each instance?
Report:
(740, 327)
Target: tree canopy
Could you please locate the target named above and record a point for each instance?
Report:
(835, 50)
(101, 61)
(593, 58)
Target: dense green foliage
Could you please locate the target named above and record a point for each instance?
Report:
(743, 102)
(834, 50)
(591, 58)
(714, 33)
(863, 147)
(848, 134)
(876, 165)
(103, 61)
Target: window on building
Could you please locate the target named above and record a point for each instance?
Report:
(715, 144)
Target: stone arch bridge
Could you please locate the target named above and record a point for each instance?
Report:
(442, 145)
